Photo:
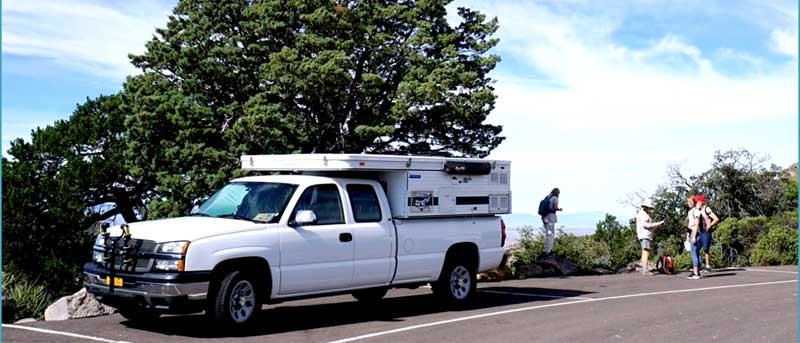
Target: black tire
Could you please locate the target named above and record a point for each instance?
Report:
(457, 284)
(371, 295)
(236, 300)
(139, 314)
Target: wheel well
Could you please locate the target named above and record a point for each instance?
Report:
(465, 250)
(256, 266)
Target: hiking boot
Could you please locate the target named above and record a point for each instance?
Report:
(694, 277)
(647, 273)
(706, 270)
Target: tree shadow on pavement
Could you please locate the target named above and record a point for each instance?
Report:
(298, 317)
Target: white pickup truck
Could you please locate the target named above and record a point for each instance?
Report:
(267, 239)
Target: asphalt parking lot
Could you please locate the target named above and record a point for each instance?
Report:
(736, 305)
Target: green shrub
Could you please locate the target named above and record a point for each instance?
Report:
(584, 252)
(683, 262)
(621, 241)
(738, 237)
(777, 247)
(30, 298)
(787, 219)
(529, 247)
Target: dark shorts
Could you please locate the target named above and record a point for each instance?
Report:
(704, 241)
(645, 244)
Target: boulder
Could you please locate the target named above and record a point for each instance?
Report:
(503, 272)
(82, 304)
(558, 264)
(529, 270)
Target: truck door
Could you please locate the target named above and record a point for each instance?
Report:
(373, 235)
(318, 256)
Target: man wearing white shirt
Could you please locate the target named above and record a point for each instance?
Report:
(644, 230)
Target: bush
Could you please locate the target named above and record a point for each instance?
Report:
(739, 236)
(584, 252)
(620, 240)
(777, 247)
(30, 298)
(787, 219)
(529, 247)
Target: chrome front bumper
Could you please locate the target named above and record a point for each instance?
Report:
(193, 291)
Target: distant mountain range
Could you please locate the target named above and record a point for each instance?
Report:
(578, 223)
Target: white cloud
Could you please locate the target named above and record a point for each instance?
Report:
(84, 35)
(784, 42)
(602, 119)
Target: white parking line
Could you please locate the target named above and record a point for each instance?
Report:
(491, 314)
(769, 271)
(62, 333)
(535, 295)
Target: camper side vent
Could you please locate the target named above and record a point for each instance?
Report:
(503, 178)
(498, 204)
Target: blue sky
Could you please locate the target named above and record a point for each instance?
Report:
(597, 98)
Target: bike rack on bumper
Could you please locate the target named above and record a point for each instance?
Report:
(164, 292)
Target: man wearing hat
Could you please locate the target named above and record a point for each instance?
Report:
(644, 230)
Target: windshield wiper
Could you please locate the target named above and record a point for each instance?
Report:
(239, 217)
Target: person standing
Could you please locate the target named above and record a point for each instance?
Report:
(689, 222)
(644, 230)
(706, 223)
(547, 209)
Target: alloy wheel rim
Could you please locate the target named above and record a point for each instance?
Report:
(242, 301)
(460, 282)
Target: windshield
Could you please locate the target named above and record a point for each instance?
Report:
(254, 201)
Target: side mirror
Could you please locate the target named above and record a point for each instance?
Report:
(305, 217)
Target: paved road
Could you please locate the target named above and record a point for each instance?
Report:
(753, 305)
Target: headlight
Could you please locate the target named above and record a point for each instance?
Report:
(173, 247)
(98, 257)
(169, 265)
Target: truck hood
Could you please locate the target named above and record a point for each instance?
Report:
(186, 228)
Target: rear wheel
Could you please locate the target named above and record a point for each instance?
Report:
(139, 314)
(236, 300)
(371, 295)
(457, 284)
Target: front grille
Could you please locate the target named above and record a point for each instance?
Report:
(139, 247)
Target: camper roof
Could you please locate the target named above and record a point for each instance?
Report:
(352, 162)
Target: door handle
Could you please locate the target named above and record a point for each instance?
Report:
(345, 237)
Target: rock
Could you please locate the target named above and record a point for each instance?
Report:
(26, 320)
(558, 264)
(602, 271)
(82, 304)
(503, 272)
(529, 270)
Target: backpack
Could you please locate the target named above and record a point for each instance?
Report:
(665, 265)
(702, 225)
(544, 206)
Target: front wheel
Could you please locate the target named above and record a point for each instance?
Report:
(236, 300)
(457, 284)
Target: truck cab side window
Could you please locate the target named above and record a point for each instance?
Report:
(364, 202)
(324, 200)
